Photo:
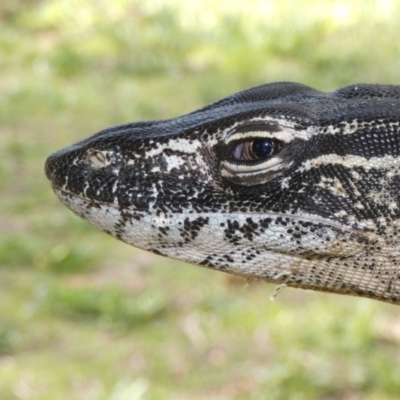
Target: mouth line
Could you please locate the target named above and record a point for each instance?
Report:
(62, 193)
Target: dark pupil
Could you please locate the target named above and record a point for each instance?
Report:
(261, 148)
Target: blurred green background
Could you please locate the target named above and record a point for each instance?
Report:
(83, 316)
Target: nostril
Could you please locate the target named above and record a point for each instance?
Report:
(97, 159)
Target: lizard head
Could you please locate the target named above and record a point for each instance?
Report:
(280, 182)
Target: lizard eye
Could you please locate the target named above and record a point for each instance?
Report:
(254, 153)
(252, 150)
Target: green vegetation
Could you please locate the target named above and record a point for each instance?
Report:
(83, 316)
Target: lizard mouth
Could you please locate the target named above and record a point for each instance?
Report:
(71, 200)
(164, 233)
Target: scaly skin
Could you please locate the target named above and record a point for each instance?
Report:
(280, 182)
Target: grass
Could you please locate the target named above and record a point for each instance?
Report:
(83, 316)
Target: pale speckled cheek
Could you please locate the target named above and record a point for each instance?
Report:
(235, 243)
(243, 245)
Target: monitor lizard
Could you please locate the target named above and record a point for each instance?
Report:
(280, 182)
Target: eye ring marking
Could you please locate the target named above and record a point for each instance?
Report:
(253, 150)
(256, 157)
(249, 134)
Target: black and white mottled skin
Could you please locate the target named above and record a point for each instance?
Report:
(321, 211)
